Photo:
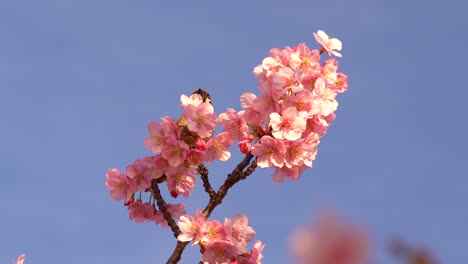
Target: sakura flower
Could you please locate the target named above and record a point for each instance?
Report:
(216, 148)
(180, 180)
(140, 212)
(330, 241)
(302, 101)
(270, 152)
(254, 257)
(157, 165)
(234, 123)
(190, 227)
(20, 259)
(195, 99)
(289, 125)
(306, 63)
(219, 252)
(341, 83)
(283, 81)
(324, 102)
(299, 153)
(211, 231)
(156, 139)
(329, 45)
(283, 173)
(174, 151)
(139, 177)
(200, 119)
(239, 231)
(118, 185)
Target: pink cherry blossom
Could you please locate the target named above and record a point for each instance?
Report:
(270, 152)
(283, 173)
(174, 151)
(190, 227)
(299, 153)
(251, 115)
(195, 156)
(329, 71)
(157, 165)
(330, 241)
(140, 212)
(239, 231)
(156, 139)
(216, 148)
(305, 62)
(283, 81)
(181, 180)
(302, 101)
(324, 102)
(20, 259)
(234, 123)
(341, 83)
(211, 231)
(254, 257)
(118, 185)
(219, 252)
(289, 125)
(200, 119)
(329, 45)
(194, 99)
(139, 175)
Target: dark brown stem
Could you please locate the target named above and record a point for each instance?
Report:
(232, 178)
(162, 205)
(203, 171)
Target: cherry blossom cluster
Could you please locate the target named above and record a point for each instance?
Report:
(281, 129)
(221, 242)
(295, 108)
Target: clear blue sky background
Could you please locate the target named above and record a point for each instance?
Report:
(79, 81)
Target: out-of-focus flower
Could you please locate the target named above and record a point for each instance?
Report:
(411, 254)
(330, 241)
(20, 259)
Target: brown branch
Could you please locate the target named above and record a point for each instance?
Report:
(162, 205)
(203, 171)
(231, 179)
(177, 253)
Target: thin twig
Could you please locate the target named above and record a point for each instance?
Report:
(203, 171)
(162, 205)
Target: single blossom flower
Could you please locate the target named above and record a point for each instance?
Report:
(180, 180)
(289, 125)
(217, 147)
(200, 119)
(117, 183)
(219, 252)
(190, 227)
(270, 152)
(174, 151)
(329, 45)
(141, 212)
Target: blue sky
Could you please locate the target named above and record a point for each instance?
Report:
(79, 81)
